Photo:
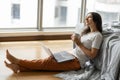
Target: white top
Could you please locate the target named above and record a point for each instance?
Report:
(90, 40)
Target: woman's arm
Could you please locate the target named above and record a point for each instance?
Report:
(89, 52)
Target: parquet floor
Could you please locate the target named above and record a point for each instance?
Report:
(30, 50)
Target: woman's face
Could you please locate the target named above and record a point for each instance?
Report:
(89, 20)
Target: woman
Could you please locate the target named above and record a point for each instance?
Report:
(87, 47)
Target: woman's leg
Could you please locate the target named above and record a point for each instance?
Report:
(11, 58)
(45, 64)
(16, 68)
(50, 64)
(13, 67)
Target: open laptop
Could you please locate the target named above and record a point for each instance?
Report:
(61, 56)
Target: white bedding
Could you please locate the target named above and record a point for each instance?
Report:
(107, 62)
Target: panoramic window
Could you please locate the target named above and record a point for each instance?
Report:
(23, 14)
(61, 13)
(109, 10)
(18, 14)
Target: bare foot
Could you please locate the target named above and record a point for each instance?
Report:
(13, 67)
(11, 58)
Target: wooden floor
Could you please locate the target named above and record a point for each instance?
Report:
(30, 50)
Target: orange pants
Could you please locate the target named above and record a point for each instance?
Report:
(48, 64)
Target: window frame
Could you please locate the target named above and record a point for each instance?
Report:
(40, 32)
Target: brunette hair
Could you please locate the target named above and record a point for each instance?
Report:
(97, 20)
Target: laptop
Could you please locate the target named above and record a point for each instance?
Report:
(61, 56)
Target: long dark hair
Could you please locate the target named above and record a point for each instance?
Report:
(97, 20)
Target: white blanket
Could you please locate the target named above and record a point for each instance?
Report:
(107, 62)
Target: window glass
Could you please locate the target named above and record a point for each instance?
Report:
(18, 13)
(61, 13)
(23, 13)
(109, 10)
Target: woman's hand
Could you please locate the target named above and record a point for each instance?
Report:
(76, 39)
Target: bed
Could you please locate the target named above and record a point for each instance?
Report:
(106, 64)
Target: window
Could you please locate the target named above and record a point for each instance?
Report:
(24, 14)
(20, 14)
(109, 10)
(60, 16)
(110, 1)
(60, 13)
